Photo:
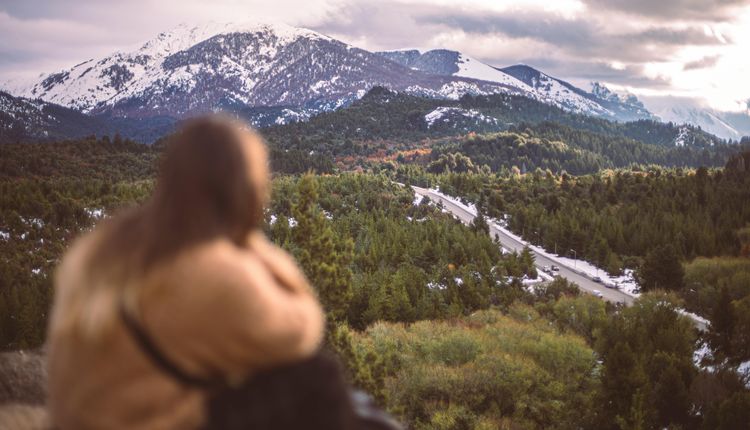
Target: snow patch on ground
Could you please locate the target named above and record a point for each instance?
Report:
(96, 213)
(682, 135)
(417, 199)
(702, 354)
(34, 222)
(744, 370)
(694, 317)
(436, 286)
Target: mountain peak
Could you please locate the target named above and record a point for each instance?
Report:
(184, 36)
(605, 93)
(189, 70)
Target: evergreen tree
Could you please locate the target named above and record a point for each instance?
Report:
(527, 262)
(722, 325)
(647, 354)
(479, 224)
(324, 258)
(662, 270)
(735, 412)
(741, 335)
(671, 397)
(744, 236)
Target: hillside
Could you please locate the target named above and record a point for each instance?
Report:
(384, 124)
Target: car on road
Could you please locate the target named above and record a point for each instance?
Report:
(555, 268)
(598, 293)
(597, 279)
(547, 269)
(613, 285)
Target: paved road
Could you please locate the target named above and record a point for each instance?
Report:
(566, 271)
(508, 242)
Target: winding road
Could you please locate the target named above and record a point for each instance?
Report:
(566, 271)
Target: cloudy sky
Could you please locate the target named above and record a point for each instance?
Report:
(696, 49)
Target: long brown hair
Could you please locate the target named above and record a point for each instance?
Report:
(212, 184)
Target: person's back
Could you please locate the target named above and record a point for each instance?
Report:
(192, 267)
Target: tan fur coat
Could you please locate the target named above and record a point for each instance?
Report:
(216, 308)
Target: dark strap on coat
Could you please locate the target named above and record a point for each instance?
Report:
(148, 346)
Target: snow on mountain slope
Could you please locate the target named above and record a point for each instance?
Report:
(191, 70)
(717, 123)
(92, 84)
(24, 119)
(457, 117)
(560, 93)
(27, 120)
(526, 80)
(475, 69)
(602, 92)
(453, 63)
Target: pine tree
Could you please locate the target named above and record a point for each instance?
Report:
(662, 270)
(744, 236)
(324, 258)
(722, 324)
(527, 262)
(479, 224)
(671, 397)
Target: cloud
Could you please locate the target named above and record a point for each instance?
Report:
(581, 36)
(673, 10)
(582, 72)
(379, 25)
(21, 44)
(579, 48)
(702, 63)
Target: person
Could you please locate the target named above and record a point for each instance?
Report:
(191, 271)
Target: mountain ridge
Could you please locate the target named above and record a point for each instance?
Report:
(195, 70)
(271, 73)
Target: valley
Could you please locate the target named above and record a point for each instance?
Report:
(494, 247)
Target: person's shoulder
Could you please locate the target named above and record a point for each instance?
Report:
(220, 263)
(75, 258)
(219, 253)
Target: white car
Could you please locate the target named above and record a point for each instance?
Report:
(598, 293)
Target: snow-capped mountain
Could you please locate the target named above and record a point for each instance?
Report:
(706, 119)
(727, 125)
(21, 118)
(24, 119)
(276, 74)
(599, 102)
(191, 70)
(452, 63)
(529, 81)
(601, 91)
